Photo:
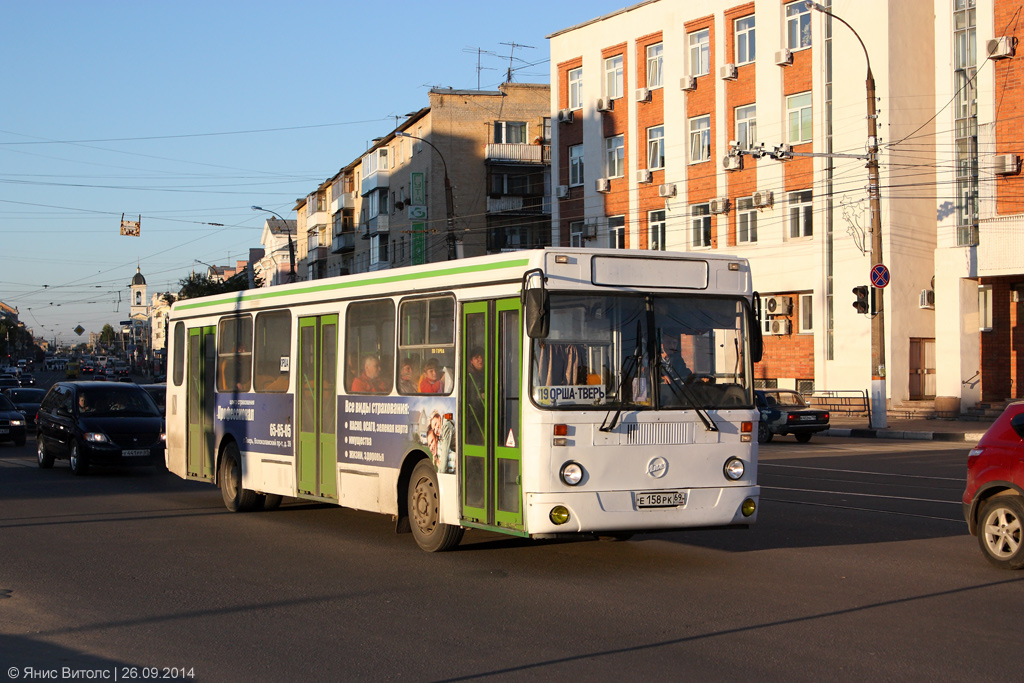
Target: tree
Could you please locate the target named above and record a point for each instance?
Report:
(196, 285)
(107, 335)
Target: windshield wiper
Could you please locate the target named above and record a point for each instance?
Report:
(681, 390)
(628, 367)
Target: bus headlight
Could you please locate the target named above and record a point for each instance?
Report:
(734, 469)
(571, 473)
(559, 514)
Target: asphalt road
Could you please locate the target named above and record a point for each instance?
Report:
(860, 568)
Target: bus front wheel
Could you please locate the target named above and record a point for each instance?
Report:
(425, 511)
(235, 497)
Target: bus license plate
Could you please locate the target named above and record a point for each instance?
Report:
(660, 499)
(136, 453)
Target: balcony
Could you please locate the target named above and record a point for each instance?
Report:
(533, 204)
(517, 153)
(343, 242)
(373, 181)
(317, 255)
(344, 201)
(377, 224)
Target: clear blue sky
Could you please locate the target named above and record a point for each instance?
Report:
(190, 112)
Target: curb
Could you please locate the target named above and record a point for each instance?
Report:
(973, 437)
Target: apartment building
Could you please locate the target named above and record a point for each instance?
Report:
(467, 175)
(741, 128)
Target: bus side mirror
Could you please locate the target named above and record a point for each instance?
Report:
(538, 318)
(756, 338)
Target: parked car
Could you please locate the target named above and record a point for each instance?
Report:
(158, 392)
(26, 401)
(786, 412)
(12, 423)
(993, 500)
(99, 423)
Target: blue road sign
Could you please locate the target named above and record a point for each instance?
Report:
(879, 276)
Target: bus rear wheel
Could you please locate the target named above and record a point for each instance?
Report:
(235, 497)
(425, 511)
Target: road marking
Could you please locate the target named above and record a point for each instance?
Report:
(864, 495)
(878, 474)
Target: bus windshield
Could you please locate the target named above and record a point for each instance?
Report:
(644, 352)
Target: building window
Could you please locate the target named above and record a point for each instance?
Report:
(617, 232)
(576, 88)
(806, 314)
(614, 156)
(745, 51)
(576, 165)
(547, 129)
(656, 230)
(801, 215)
(700, 139)
(613, 77)
(656, 147)
(798, 108)
(654, 79)
(798, 25)
(746, 126)
(576, 234)
(379, 249)
(985, 308)
(512, 184)
(700, 52)
(700, 225)
(746, 220)
(510, 132)
(965, 108)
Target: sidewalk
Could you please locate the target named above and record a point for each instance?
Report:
(921, 429)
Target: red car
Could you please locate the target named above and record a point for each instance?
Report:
(994, 498)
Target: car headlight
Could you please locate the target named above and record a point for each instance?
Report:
(18, 423)
(734, 469)
(96, 437)
(571, 473)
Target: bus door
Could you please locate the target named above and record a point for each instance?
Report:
(491, 458)
(317, 460)
(202, 359)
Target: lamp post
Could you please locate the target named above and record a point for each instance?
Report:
(879, 419)
(449, 203)
(291, 245)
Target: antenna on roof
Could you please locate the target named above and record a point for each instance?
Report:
(511, 56)
(480, 51)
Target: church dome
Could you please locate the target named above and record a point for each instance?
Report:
(138, 279)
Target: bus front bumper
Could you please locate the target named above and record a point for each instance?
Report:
(597, 511)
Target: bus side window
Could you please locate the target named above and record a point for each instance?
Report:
(426, 346)
(369, 341)
(179, 353)
(272, 344)
(234, 354)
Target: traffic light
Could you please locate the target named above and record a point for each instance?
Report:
(861, 303)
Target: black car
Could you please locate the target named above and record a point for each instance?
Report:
(158, 392)
(99, 423)
(12, 423)
(786, 412)
(27, 380)
(26, 401)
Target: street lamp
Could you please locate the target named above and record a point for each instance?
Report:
(449, 203)
(879, 419)
(291, 245)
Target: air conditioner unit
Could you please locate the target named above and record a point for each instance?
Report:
(688, 83)
(728, 72)
(590, 228)
(928, 298)
(763, 199)
(778, 305)
(644, 176)
(668, 190)
(565, 116)
(732, 163)
(784, 57)
(562, 191)
(604, 104)
(643, 94)
(604, 185)
(1001, 48)
(720, 205)
(1005, 164)
(780, 326)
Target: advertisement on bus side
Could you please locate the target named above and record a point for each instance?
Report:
(379, 430)
(258, 422)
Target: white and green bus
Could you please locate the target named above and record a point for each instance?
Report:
(544, 393)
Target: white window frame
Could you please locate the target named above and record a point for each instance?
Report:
(656, 230)
(613, 77)
(617, 232)
(799, 118)
(614, 156)
(746, 221)
(656, 147)
(700, 226)
(576, 165)
(700, 139)
(576, 231)
(655, 75)
(700, 52)
(800, 215)
(746, 126)
(379, 245)
(502, 128)
(798, 26)
(746, 45)
(575, 79)
(985, 321)
(806, 314)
